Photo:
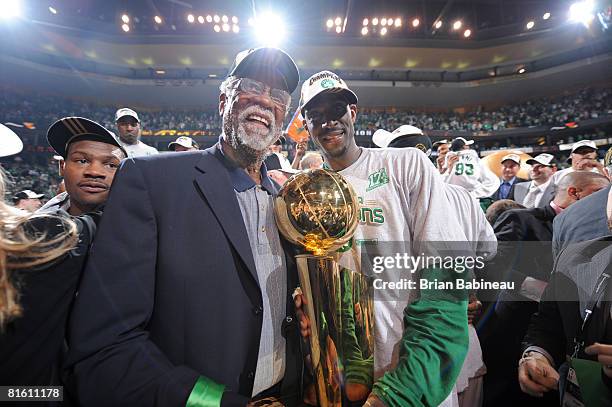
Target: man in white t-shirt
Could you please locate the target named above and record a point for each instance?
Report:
(128, 127)
(402, 200)
(582, 158)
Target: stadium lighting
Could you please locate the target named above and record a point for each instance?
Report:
(375, 21)
(364, 31)
(415, 22)
(522, 70)
(209, 18)
(467, 33)
(157, 19)
(224, 19)
(383, 22)
(269, 29)
(330, 23)
(190, 18)
(216, 18)
(338, 21)
(530, 25)
(125, 28)
(365, 22)
(438, 24)
(546, 16)
(52, 10)
(338, 29)
(398, 22)
(234, 20)
(10, 9)
(217, 28)
(125, 18)
(581, 12)
(201, 19)
(457, 25)
(383, 31)
(226, 27)
(235, 29)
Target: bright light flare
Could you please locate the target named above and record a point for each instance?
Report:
(457, 25)
(269, 29)
(582, 12)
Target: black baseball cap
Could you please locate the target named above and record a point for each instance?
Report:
(69, 129)
(267, 63)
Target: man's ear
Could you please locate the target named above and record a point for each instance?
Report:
(573, 193)
(62, 165)
(222, 102)
(353, 109)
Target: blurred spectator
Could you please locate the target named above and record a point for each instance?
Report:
(498, 207)
(311, 161)
(28, 200)
(511, 163)
(538, 192)
(183, 143)
(128, 126)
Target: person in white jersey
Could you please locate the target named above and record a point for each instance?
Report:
(128, 127)
(479, 232)
(464, 168)
(419, 342)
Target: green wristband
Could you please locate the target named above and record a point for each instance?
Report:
(205, 393)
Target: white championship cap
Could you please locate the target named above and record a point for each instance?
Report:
(324, 81)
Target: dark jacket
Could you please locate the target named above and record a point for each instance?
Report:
(524, 245)
(561, 310)
(32, 345)
(170, 291)
(496, 197)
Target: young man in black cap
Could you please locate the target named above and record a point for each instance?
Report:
(91, 155)
(186, 296)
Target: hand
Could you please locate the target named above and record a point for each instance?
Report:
(473, 309)
(440, 163)
(374, 401)
(300, 148)
(604, 356)
(536, 375)
(452, 159)
(300, 302)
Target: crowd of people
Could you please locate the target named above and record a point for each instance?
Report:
(584, 104)
(177, 286)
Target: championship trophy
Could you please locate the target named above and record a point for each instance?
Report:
(318, 210)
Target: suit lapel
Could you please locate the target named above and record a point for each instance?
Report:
(214, 183)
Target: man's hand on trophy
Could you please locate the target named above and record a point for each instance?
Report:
(356, 391)
(300, 303)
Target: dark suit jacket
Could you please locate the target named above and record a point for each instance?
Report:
(524, 244)
(496, 197)
(170, 291)
(559, 317)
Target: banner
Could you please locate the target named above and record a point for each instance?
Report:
(295, 130)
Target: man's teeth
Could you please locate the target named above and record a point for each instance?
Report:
(260, 119)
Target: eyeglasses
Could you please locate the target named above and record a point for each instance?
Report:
(329, 113)
(252, 87)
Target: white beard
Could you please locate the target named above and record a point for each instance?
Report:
(257, 138)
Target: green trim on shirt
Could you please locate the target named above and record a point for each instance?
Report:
(205, 393)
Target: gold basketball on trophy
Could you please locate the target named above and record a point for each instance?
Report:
(318, 210)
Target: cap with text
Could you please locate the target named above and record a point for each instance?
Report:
(544, 159)
(512, 157)
(324, 82)
(126, 111)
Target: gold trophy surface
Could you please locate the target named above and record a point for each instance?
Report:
(318, 210)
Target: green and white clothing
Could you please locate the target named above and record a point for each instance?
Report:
(403, 199)
(470, 173)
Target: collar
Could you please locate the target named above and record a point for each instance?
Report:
(60, 201)
(556, 207)
(240, 179)
(512, 181)
(540, 187)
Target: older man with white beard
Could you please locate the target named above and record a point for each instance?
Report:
(186, 297)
